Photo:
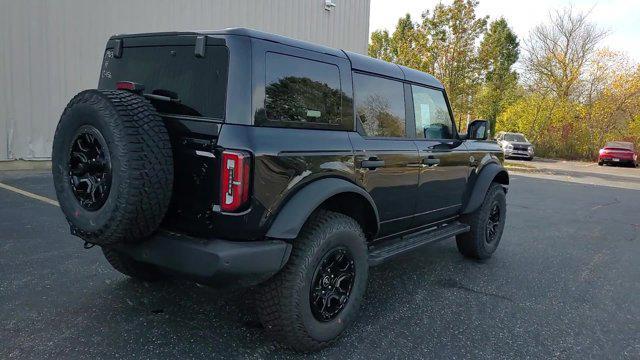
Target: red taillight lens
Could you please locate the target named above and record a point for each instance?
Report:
(234, 180)
(131, 86)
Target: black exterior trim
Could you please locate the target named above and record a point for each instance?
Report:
(212, 261)
(482, 183)
(297, 210)
(201, 44)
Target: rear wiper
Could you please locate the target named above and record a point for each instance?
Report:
(156, 94)
(161, 98)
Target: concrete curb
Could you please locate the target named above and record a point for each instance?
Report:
(522, 169)
(11, 165)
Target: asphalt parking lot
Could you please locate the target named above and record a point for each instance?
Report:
(565, 283)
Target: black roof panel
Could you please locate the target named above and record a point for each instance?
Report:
(249, 33)
(358, 61)
(277, 38)
(377, 66)
(420, 77)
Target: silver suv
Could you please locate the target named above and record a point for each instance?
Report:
(515, 145)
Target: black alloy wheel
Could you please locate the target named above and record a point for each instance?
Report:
(493, 222)
(90, 168)
(112, 167)
(332, 283)
(316, 296)
(486, 225)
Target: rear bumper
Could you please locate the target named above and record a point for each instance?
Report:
(615, 159)
(214, 262)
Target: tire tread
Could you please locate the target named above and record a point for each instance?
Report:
(146, 183)
(276, 299)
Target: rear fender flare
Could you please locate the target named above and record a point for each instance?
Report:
(484, 179)
(296, 211)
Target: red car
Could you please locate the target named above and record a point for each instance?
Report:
(618, 152)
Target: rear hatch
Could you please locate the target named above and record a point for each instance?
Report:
(171, 64)
(191, 70)
(618, 153)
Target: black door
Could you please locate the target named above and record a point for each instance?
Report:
(444, 160)
(385, 157)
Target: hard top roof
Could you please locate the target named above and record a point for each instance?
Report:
(358, 61)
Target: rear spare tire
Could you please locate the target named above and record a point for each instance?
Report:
(112, 166)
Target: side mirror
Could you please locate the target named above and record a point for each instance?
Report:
(478, 130)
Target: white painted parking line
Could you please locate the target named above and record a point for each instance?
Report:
(28, 194)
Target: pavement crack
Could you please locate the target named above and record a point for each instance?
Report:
(614, 202)
(455, 284)
(519, 206)
(590, 270)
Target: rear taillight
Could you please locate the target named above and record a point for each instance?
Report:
(234, 180)
(130, 86)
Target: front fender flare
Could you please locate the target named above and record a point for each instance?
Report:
(481, 185)
(297, 210)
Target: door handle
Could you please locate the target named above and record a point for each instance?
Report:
(431, 161)
(372, 163)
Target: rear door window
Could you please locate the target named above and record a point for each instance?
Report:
(379, 105)
(302, 92)
(198, 83)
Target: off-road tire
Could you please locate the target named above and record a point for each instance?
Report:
(283, 301)
(141, 166)
(135, 269)
(473, 244)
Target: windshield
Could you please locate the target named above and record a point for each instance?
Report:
(515, 138)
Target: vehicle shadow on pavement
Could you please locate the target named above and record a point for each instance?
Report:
(190, 317)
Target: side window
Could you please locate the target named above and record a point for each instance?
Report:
(432, 115)
(301, 91)
(379, 105)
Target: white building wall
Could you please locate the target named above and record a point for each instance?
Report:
(52, 49)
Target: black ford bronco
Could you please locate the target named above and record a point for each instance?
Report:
(238, 157)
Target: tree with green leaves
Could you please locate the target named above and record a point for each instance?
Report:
(499, 51)
(399, 47)
(448, 44)
(380, 46)
(444, 44)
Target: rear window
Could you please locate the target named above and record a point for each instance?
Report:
(174, 71)
(619, 145)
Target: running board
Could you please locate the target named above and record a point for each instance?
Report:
(392, 248)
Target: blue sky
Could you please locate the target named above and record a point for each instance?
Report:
(620, 17)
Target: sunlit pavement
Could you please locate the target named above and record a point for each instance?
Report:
(565, 283)
(579, 172)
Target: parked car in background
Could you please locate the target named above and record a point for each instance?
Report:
(515, 145)
(618, 152)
